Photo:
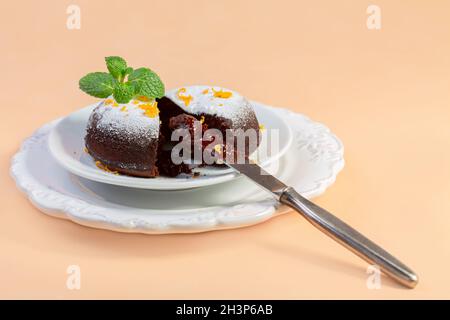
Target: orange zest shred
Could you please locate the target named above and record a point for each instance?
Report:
(105, 168)
(150, 109)
(222, 94)
(108, 101)
(123, 109)
(186, 99)
(202, 119)
(135, 102)
(143, 98)
(205, 91)
(262, 127)
(218, 148)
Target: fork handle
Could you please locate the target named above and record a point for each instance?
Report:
(349, 237)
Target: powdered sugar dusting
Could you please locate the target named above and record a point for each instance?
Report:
(206, 100)
(126, 120)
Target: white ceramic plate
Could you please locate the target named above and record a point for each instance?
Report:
(66, 143)
(310, 165)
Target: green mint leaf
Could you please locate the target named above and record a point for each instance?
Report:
(98, 84)
(128, 71)
(123, 92)
(117, 66)
(146, 83)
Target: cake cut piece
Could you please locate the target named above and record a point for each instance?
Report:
(221, 108)
(216, 108)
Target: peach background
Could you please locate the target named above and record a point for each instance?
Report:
(384, 93)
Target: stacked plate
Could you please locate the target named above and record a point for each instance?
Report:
(62, 180)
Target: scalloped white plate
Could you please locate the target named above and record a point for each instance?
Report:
(311, 165)
(66, 143)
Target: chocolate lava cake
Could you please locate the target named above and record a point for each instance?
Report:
(132, 138)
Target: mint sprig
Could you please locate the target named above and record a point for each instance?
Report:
(122, 81)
